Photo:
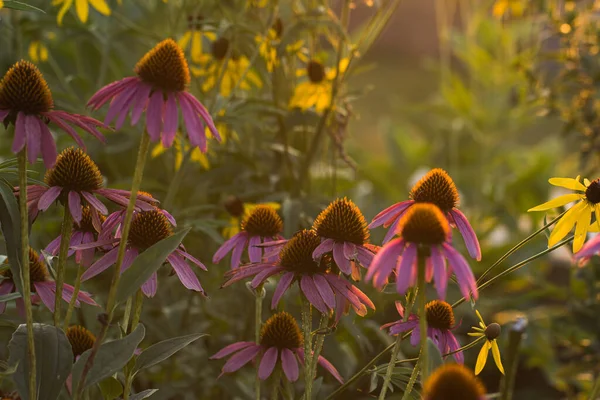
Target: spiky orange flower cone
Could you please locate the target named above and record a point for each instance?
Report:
(159, 90)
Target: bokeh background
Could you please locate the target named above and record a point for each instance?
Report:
(502, 94)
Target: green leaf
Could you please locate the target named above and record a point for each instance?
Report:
(54, 360)
(111, 388)
(111, 357)
(9, 297)
(19, 5)
(143, 395)
(10, 223)
(434, 356)
(146, 264)
(163, 350)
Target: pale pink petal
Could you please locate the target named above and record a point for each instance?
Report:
(384, 262)
(312, 294)
(75, 206)
(94, 202)
(171, 121)
(20, 133)
(391, 231)
(282, 286)
(267, 364)
(464, 275)
(150, 286)
(325, 247)
(289, 364)
(467, 233)
(154, 115)
(48, 198)
(393, 211)
(232, 348)
(406, 269)
(439, 272)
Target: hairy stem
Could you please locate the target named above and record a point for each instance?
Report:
(422, 318)
(25, 278)
(137, 310)
(307, 328)
(390, 367)
(63, 253)
(259, 296)
(319, 343)
(411, 380)
(76, 288)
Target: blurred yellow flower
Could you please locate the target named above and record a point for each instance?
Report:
(212, 66)
(316, 90)
(193, 38)
(267, 46)
(181, 147)
(491, 332)
(38, 52)
(82, 7)
(258, 3)
(1, 3)
(515, 7)
(588, 197)
(235, 220)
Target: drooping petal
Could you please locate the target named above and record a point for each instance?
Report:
(75, 206)
(48, 198)
(324, 290)
(184, 273)
(150, 286)
(393, 211)
(565, 224)
(227, 246)
(468, 234)
(557, 202)
(482, 357)
(200, 109)
(289, 364)
(439, 272)
(20, 133)
(312, 294)
(340, 259)
(267, 364)
(384, 262)
(464, 275)
(32, 131)
(282, 286)
(325, 247)
(496, 354)
(262, 276)
(140, 101)
(193, 125)
(171, 121)
(94, 202)
(406, 269)
(69, 291)
(241, 358)
(567, 183)
(48, 145)
(232, 348)
(330, 368)
(103, 263)
(255, 253)
(154, 115)
(46, 290)
(453, 345)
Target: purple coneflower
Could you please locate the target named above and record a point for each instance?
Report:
(74, 179)
(319, 281)
(453, 381)
(84, 232)
(281, 343)
(438, 188)
(440, 322)
(147, 229)
(261, 225)
(424, 232)
(343, 231)
(160, 88)
(26, 102)
(42, 285)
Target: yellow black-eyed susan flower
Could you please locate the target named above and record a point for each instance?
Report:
(316, 90)
(516, 8)
(193, 38)
(491, 333)
(82, 8)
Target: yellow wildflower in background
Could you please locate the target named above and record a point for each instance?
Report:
(491, 333)
(588, 194)
(181, 147)
(38, 52)
(212, 64)
(515, 7)
(316, 90)
(193, 38)
(258, 3)
(267, 46)
(233, 207)
(82, 7)
(1, 3)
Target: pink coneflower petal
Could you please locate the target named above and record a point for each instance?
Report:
(154, 115)
(171, 121)
(69, 129)
(264, 274)
(330, 368)
(312, 294)
(284, 283)
(140, 101)
(32, 132)
(75, 206)
(20, 134)
(46, 292)
(103, 263)
(109, 91)
(453, 345)
(325, 247)
(340, 287)
(68, 292)
(236, 254)
(289, 364)
(324, 290)
(393, 211)
(6, 287)
(184, 273)
(120, 104)
(94, 202)
(361, 296)
(391, 231)
(342, 262)
(467, 232)
(200, 109)
(53, 246)
(191, 258)
(3, 114)
(267, 364)
(48, 145)
(589, 249)
(243, 272)
(48, 198)
(129, 258)
(240, 359)
(255, 253)
(228, 245)
(365, 256)
(232, 348)
(464, 275)
(150, 286)
(399, 326)
(439, 272)
(169, 217)
(406, 274)
(384, 262)
(193, 125)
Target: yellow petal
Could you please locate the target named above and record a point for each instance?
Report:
(200, 158)
(254, 79)
(83, 9)
(567, 183)
(61, 13)
(565, 224)
(586, 182)
(43, 52)
(557, 202)
(475, 334)
(583, 223)
(480, 318)
(500, 8)
(482, 357)
(157, 150)
(210, 36)
(496, 354)
(1, 3)
(185, 40)
(101, 6)
(33, 51)
(196, 52)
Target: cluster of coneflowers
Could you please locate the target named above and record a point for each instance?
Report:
(326, 261)
(96, 237)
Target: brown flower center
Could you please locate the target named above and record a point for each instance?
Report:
(438, 188)
(220, 48)
(86, 224)
(296, 255)
(342, 221)
(278, 28)
(165, 67)
(281, 331)
(315, 71)
(37, 269)
(492, 331)
(263, 221)
(425, 224)
(453, 382)
(81, 339)
(234, 206)
(74, 170)
(439, 315)
(592, 193)
(24, 89)
(149, 228)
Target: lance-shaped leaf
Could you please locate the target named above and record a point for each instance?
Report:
(19, 5)
(11, 230)
(143, 395)
(146, 264)
(161, 351)
(111, 357)
(54, 359)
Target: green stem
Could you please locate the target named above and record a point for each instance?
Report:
(137, 310)
(276, 380)
(63, 253)
(515, 336)
(126, 314)
(25, 278)
(76, 288)
(422, 317)
(411, 381)
(596, 390)
(112, 294)
(307, 328)
(390, 367)
(518, 246)
(319, 343)
(259, 296)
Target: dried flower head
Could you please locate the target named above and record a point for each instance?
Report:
(281, 331)
(438, 188)
(165, 67)
(453, 382)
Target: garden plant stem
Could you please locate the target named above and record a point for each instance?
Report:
(307, 327)
(319, 343)
(137, 312)
(390, 367)
(422, 318)
(25, 278)
(76, 288)
(259, 295)
(63, 253)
